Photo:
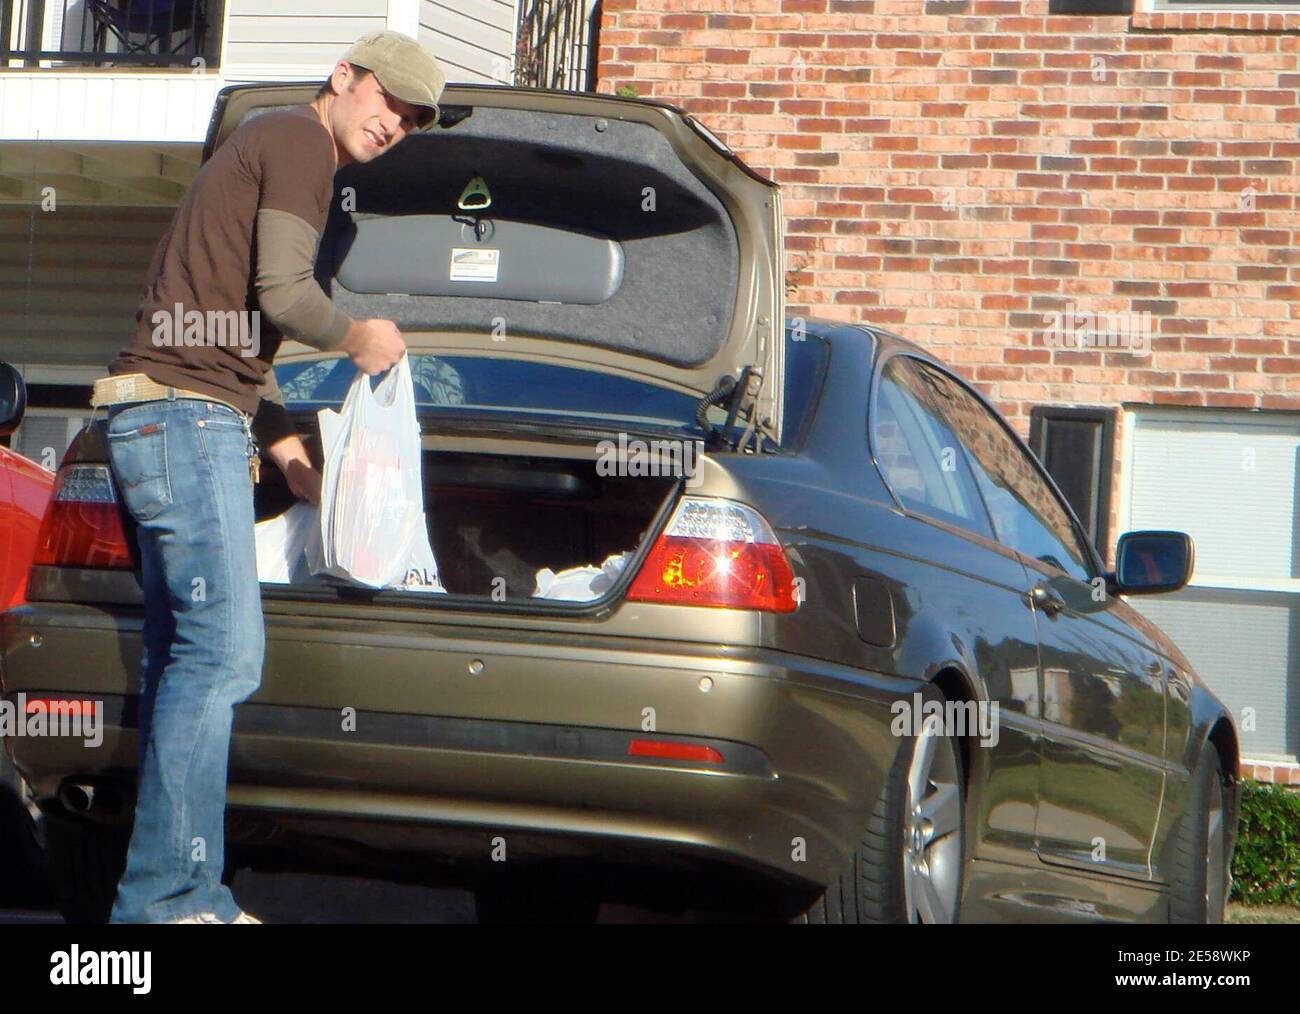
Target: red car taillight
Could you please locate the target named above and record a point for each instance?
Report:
(673, 751)
(717, 553)
(82, 526)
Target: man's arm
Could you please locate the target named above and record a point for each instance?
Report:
(275, 431)
(295, 166)
(286, 285)
(272, 423)
(289, 295)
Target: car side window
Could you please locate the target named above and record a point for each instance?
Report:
(918, 453)
(1027, 515)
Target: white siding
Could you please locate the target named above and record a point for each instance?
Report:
(473, 39)
(69, 296)
(45, 433)
(105, 106)
(263, 40)
(275, 40)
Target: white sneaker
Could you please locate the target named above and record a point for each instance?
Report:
(211, 917)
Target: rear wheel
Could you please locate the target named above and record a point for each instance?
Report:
(1200, 883)
(908, 866)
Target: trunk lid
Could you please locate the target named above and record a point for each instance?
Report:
(620, 236)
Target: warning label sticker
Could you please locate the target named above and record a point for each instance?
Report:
(474, 265)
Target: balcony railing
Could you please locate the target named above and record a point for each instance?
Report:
(109, 33)
(557, 44)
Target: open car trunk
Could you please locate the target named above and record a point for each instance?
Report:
(550, 234)
(570, 231)
(496, 520)
(564, 228)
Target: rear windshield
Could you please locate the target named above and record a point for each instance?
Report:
(476, 385)
(462, 385)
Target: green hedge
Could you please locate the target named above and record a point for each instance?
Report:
(1266, 865)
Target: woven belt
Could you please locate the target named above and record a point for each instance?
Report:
(134, 387)
(129, 387)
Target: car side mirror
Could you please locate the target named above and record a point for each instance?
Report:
(1149, 563)
(13, 399)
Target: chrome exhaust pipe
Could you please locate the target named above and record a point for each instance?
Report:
(77, 797)
(89, 799)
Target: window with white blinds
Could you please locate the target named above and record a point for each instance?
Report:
(44, 435)
(1230, 481)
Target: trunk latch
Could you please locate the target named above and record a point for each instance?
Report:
(475, 196)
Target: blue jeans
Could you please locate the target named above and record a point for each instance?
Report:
(181, 467)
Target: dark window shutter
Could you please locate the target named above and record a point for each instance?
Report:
(1076, 446)
(59, 396)
(1090, 7)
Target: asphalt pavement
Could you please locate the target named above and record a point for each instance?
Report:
(318, 898)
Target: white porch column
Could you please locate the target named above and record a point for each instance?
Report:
(404, 17)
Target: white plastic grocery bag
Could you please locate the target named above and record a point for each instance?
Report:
(372, 524)
(282, 545)
(422, 569)
(580, 584)
(287, 542)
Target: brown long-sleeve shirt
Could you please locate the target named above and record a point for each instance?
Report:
(246, 231)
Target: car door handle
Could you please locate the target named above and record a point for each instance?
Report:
(1046, 599)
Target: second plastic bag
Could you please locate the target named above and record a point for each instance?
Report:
(581, 584)
(282, 546)
(372, 524)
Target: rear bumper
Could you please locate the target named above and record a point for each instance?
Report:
(458, 740)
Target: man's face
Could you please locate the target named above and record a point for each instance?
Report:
(365, 119)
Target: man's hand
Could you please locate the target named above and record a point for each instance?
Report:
(373, 345)
(290, 456)
(304, 482)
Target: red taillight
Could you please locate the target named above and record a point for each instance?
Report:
(82, 526)
(60, 706)
(673, 751)
(717, 553)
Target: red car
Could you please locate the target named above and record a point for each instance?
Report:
(24, 494)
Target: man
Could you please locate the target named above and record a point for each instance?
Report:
(181, 419)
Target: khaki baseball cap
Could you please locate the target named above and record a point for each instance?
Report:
(403, 67)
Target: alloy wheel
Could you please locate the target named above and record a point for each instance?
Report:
(1216, 886)
(932, 831)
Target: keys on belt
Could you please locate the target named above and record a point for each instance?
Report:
(254, 456)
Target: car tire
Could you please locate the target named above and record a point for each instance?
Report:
(895, 866)
(85, 861)
(1200, 878)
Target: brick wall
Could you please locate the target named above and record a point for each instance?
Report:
(961, 170)
(958, 170)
